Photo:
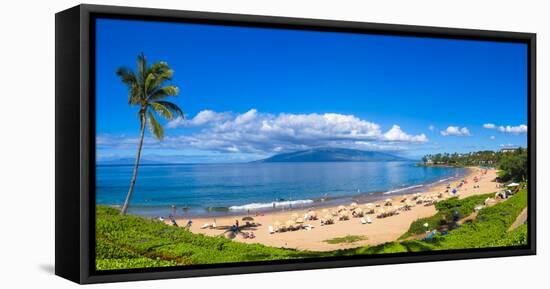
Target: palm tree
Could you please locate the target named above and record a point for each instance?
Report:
(147, 91)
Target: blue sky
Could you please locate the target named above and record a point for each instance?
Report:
(249, 93)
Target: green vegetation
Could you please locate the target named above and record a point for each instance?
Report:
(516, 237)
(513, 165)
(136, 242)
(447, 211)
(147, 91)
(347, 239)
(489, 228)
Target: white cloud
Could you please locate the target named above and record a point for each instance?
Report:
(266, 133)
(202, 118)
(513, 129)
(396, 134)
(455, 131)
(431, 128)
(522, 128)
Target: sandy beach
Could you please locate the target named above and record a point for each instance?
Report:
(381, 230)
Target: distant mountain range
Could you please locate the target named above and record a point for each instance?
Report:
(128, 161)
(333, 155)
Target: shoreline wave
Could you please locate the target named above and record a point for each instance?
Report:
(403, 189)
(275, 204)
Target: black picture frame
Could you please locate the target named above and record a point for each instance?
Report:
(75, 142)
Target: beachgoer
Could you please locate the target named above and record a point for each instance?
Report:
(189, 223)
(173, 221)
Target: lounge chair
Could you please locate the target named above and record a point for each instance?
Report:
(363, 221)
(205, 226)
(369, 220)
(270, 230)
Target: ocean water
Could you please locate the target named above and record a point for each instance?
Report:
(231, 188)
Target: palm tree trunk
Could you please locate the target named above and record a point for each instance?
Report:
(133, 181)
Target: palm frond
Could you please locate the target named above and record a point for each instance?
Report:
(149, 80)
(159, 68)
(142, 68)
(172, 107)
(155, 127)
(162, 110)
(156, 81)
(128, 77)
(164, 92)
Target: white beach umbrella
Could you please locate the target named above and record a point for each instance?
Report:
(513, 185)
(294, 216)
(299, 221)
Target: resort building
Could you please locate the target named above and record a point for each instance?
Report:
(509, 149)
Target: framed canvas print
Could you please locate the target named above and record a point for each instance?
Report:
(194, 144)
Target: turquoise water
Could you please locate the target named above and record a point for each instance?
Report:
(226, 188)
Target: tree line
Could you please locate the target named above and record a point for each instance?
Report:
(513, 164)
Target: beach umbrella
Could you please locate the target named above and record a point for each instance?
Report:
(513, 185)
(277, 224)
(312, 214)
(299, 221)
(341, 208)
(353, 205)
(369, 205)
(327, 217)
(230, 235)
(248, 218)
(325, 211)
(294, 216)
(290, 223)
